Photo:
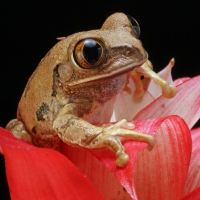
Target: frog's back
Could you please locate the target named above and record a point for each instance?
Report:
(38, 107)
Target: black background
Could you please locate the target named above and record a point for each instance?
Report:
(29, 29)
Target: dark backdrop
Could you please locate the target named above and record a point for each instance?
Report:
(29, 29)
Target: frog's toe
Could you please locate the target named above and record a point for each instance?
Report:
(17, 128)
(169, 91)
(122, 160)
(151, 143)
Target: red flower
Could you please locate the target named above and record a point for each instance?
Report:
(169, 171)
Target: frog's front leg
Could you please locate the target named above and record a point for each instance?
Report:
(77, 132)
(146, 73)
(168, 91)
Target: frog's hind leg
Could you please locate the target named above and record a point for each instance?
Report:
(18, 129)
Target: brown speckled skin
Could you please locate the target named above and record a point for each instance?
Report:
(57, 82)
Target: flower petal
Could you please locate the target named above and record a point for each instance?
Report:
(153, 88)
(126, 106)
(194, 195)
(93, 168)
(186, 104)
(36, 173)
(181, 80)
(95, 171)
(193, 178)
(161, 173)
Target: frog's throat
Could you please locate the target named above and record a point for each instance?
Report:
(114, 73)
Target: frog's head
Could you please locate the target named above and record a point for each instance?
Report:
(108, 52)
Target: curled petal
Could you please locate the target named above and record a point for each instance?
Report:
(193, 178)
(35, 173)
(172, 130)
(185, 104)
(161, 173)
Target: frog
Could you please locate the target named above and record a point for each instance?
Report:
(75, 86)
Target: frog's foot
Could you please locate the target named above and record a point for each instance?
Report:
(110, 138)
(142, 76)
(17, 128)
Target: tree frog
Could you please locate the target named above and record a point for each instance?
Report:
(76, 83)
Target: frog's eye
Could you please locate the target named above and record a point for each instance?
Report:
(89, 53)
(135, 26)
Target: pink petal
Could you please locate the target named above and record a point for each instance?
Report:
(186, 104)
(126, 106)
(181, 80)
(166, 127)
(35, 173)
(161, 173)
(193, 178)
(166, 72)
(154, 89)
(194, 195)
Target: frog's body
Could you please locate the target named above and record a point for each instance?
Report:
(68, 91)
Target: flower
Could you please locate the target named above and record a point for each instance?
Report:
(169, 171)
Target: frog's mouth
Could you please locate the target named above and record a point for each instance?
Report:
(111, 74)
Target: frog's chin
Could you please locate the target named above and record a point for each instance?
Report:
(117, 72)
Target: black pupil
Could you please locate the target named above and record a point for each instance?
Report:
(135, 26)
(92, 51)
